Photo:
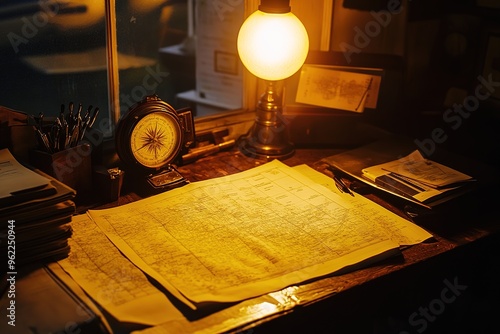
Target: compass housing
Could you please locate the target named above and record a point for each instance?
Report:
(152, 135)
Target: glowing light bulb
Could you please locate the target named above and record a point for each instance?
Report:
(273, 46)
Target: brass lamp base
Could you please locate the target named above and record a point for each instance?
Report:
(268, 137)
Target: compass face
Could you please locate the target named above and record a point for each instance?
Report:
(155, 139)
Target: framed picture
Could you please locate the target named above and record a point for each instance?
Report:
(329, 98)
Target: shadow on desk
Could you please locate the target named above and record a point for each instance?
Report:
(456, 292)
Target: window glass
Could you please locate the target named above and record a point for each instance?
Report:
(53, 53)
(143, 28)
(182, 51)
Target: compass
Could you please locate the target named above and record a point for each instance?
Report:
(155, 139)
(149, 140)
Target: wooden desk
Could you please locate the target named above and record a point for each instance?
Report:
(447, 285)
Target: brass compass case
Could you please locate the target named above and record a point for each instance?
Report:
(149, 140)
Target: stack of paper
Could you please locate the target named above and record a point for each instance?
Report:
(419, 178)
(35, 211)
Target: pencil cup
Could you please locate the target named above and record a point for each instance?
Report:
(71, 166)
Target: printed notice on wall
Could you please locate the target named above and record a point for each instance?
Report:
(332, 88)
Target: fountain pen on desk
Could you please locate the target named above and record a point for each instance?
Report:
(339, 182)
(342, 186)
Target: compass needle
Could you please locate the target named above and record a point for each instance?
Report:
(143, 146)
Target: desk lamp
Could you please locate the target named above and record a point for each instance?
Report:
(272, 44)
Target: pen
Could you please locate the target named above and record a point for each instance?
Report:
(75, 135)
(342, 186)
(70, 118)
(55, 131)
(40, 121)
(88, 121)
(207, 150)
(339, 182)
(64, 134)
(93, 118)
(407, 182)
(42, 138)
(79, 112)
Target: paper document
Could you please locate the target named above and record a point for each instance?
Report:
(219, 72)
(433, 174)
(416, 177)
(112, 280)
(337, 89)
(15, 178)
(400, 230)
(247, 234)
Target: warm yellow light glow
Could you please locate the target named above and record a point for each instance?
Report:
(273, 46)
